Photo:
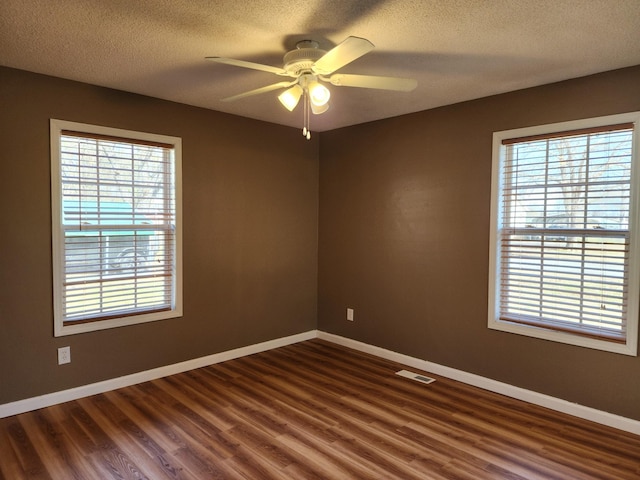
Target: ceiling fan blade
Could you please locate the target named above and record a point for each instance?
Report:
(257, 91)
(373, 81)
(252, 65)
(343, 53)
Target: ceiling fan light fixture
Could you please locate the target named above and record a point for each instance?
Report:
(318, 94)
(318, 109)
(290, 97)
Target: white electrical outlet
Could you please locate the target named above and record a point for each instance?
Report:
(64, 355)
(350, 314)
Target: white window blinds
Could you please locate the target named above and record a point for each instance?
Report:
(564, 237)
(117, 235)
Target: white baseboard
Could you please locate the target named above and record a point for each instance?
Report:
(49, 399)
(553, 403)
(588, 413)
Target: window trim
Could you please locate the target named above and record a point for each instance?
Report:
(56, 131)
(629, 347)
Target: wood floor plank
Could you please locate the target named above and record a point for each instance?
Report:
(52, 447)
(132, 438)
(22, 445)
(192, 450)
(253, 466)
(10, 466)
(312, 410)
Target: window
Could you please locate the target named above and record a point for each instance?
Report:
(116, 227)
(564, 241)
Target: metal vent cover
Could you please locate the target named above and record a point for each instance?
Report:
(415, 376)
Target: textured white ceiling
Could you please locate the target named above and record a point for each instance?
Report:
(456, 49)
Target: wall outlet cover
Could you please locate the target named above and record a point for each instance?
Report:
(64, 355)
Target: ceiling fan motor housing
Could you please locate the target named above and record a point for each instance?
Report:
(303, 57)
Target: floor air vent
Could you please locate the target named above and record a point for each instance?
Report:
(415, 376)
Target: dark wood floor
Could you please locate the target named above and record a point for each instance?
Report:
(311, 410)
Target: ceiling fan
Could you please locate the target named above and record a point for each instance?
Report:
(309, 67)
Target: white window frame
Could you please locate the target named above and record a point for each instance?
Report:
(58, 248)
(629, 347)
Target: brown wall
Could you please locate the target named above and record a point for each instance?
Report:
(404, 228)
(250, 206)
(404, 240)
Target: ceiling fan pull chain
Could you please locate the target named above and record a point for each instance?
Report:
(304, 114)
(305, 130)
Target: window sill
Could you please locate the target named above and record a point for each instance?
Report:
(628, 348)
(72, 329)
